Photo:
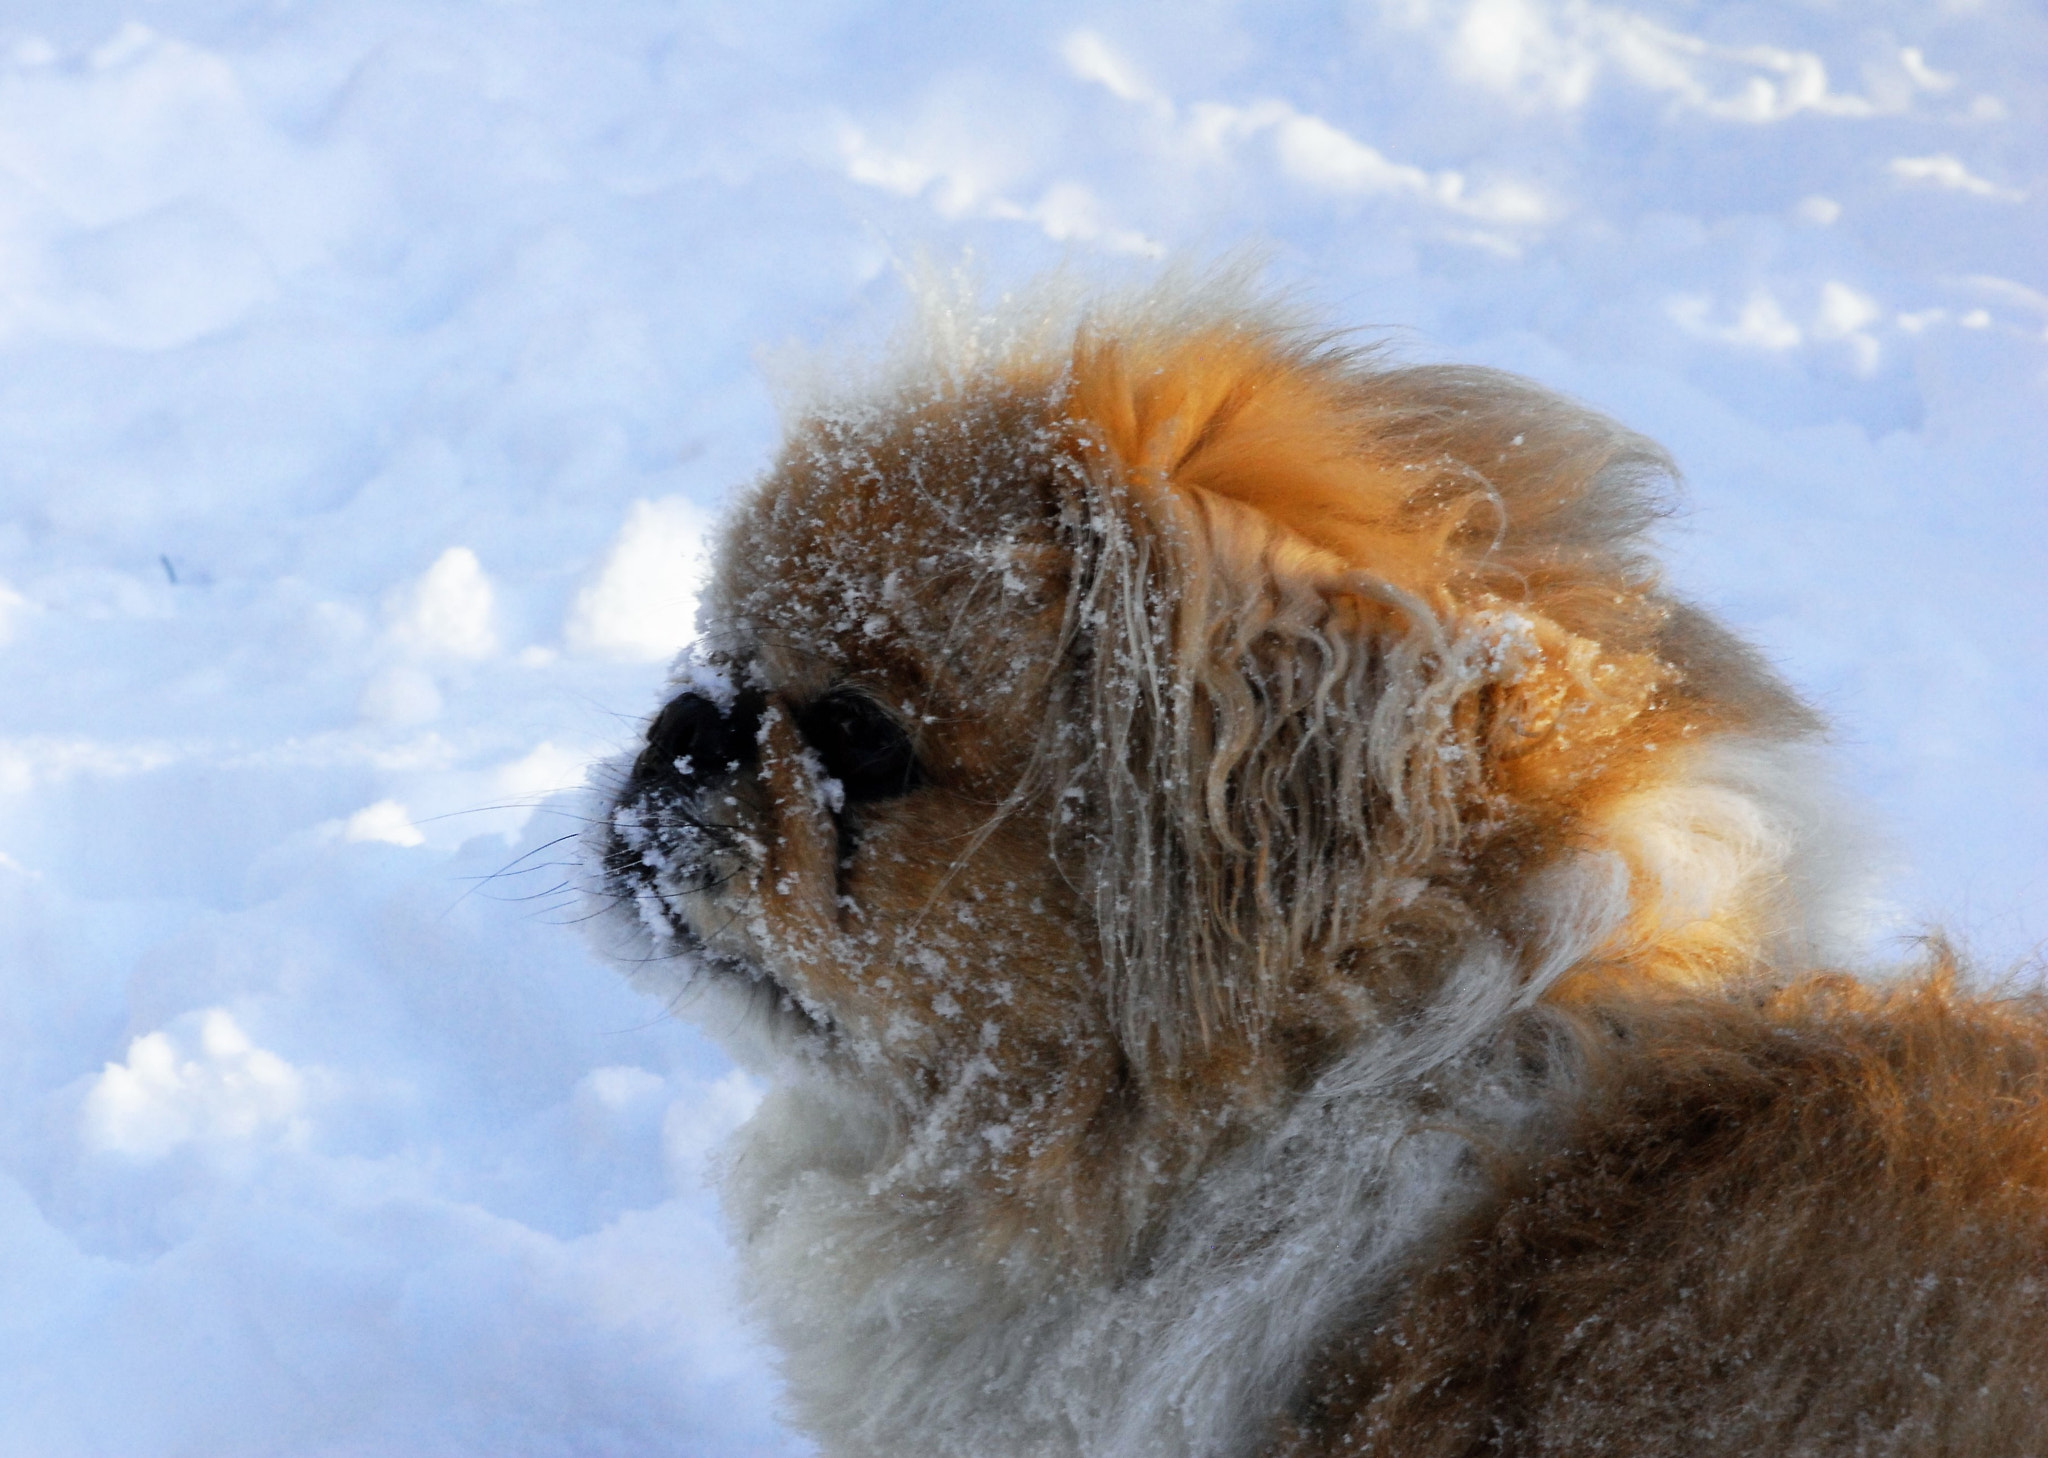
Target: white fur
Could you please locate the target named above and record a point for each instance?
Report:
(1752, 839)
(899, 1339)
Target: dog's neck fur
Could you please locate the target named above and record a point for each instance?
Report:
(902, 1336)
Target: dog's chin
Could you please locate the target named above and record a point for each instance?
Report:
(647, 929)
(763, 1026)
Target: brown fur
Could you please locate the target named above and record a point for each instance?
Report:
(1262, 692)
(1813, 1222)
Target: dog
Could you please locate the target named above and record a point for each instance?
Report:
(1272, 931)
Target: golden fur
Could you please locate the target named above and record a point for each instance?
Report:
(1342, 978)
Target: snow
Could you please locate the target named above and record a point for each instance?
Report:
(640, 606)
(372, 371)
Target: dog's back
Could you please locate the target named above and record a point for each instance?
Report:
(1810, 1223)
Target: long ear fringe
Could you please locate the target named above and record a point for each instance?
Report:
(1242, 825)
(1296, 615)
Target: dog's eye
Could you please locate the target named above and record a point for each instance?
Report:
(861, 746)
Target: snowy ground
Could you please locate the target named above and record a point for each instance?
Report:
(368, 369)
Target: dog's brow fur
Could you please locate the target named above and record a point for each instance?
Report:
(1360, 968)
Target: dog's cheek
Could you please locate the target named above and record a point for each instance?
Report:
(966, 962)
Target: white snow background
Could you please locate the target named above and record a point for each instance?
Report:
(369, 370)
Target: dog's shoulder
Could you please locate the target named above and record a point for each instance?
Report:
(1813, 1221)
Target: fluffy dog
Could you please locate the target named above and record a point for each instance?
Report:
(1273, 932)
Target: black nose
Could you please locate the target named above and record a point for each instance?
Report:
(692, 739)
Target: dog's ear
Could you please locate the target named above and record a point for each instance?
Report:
(1304, 703)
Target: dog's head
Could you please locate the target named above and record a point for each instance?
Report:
(1095, 730)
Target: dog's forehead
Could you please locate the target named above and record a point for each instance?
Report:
(898, 543)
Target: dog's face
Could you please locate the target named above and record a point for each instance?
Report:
(827, 818)
(1080, 747)
(893, 642)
